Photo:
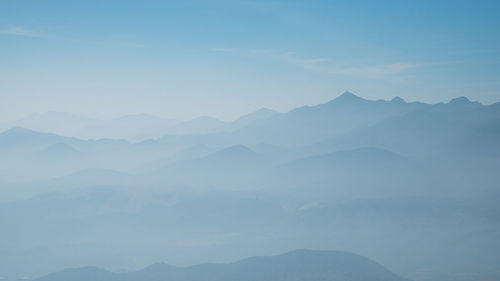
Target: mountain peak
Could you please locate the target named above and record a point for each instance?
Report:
(22, 136)
(19, 130)
(265, 112)
(138, 116)
(460, 100)
(260, 114)
(238, 149)
(59, 149)
(265, 109)
(348, 97)
(398, 100)
(158, 268)
(205, 118)
(235, 152)
(301, 264)
(348, 94)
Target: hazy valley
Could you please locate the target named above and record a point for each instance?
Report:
(413, 186)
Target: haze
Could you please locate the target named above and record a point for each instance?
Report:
(227, 58)
(249, 140)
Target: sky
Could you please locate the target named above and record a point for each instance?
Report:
(183, 59)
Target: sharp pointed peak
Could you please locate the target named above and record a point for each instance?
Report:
(347, 94)
(346, 97)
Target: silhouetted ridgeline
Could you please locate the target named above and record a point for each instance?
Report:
(299, 265)
(381, 178)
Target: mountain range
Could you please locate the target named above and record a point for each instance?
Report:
(297, 265)
(382, 178)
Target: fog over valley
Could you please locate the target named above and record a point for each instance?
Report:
(413, 186)
(255, 140)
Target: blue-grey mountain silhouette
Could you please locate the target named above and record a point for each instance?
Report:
(297, 265)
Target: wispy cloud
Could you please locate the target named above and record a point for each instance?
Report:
(243, 51)
(325, 65)
(376, 70)
(224, 50)
(20, 31)
(260, 51)
(309, 63)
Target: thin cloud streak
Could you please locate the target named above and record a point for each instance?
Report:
(325, 65)
(376, 70)
(20, 31)
(224, 50)
(371, 71)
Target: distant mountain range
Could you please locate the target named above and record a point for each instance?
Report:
(134, 127)
(349, 115)
(299, 265)
(460, 128)
(421, 180)
(334, 118)
(346, 114)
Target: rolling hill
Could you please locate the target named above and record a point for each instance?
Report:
(299, 265)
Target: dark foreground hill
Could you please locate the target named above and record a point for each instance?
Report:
(299, 265)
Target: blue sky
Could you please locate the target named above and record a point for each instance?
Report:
(184, 59)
